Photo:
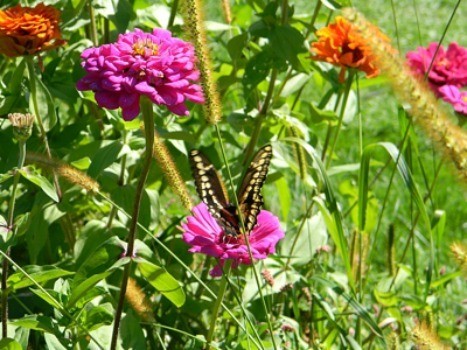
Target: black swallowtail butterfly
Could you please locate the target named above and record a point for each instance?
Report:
(213, 193)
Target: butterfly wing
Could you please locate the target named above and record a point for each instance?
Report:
(249, 193)
(212, 192)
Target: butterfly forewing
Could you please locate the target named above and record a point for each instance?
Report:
(212, 191)
(209, 185)
(249, 195)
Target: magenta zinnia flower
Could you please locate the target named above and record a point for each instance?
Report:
(449, 67)
(156, 65)
(456, 97)
(205, 236)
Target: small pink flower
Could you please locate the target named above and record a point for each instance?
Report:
(156, 65)
(449, 67)
(456, 97)
(204, 234)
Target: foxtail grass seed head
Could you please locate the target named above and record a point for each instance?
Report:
(22, 125)
(227, 11)
(68, 173)
(425, 338)
(267, 275)
(424, 107)
(172, 175)
(459, 251)
(139, 301)
(193, 16)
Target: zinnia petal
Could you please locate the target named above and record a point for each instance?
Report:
(205, 235)
(152, 64)
(29, 30)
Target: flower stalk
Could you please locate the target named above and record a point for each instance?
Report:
(217, 304)
(43, 133)
(148, 117)
(22, 125)
(348, 85)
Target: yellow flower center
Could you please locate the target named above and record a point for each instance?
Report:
(145, 48)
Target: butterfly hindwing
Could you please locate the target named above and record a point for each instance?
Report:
(249, 195)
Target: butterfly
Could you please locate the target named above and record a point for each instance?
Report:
(213, 193)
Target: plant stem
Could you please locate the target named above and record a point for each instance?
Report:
(10, 221)
(247, 242)
(146, 110)
(260, 118)
(217, 304)
(92, 24)
(38, 118)
(341, 115)
(173, 12)
(121, 182)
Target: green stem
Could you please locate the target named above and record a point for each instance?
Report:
(341, 116)
(38, 118)
(256, 342)
(92, 24)
(10, 221)
(260, 118)
(146, 110)
(121, 182)
(330, 128)
(173, 12)
(217, 304)
(247, 242)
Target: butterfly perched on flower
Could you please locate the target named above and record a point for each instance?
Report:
(213, 193)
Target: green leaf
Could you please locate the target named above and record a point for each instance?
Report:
(93, 235)
(104, 157)
(40, 274)
(132, 333)
(10, 96)
(445, 279)
(406, 175)
(312, 236)
(53, 342)
(41, 182)
(288, 42)
(79, 290)
(46, 105)
(98, 316)
(329, 209)
(38, 323)
(37, 231)
(48, 298)
(284, 196)
(4, 177)
(9, 344)
(160, 279)
(236, 45)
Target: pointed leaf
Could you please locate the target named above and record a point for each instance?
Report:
(160, 279)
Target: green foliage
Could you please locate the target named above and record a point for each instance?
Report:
(368, 207)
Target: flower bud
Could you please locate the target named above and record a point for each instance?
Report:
(22, 125)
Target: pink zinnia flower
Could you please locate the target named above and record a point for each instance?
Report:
(205, 236)
(449, 67)
(156, 65)
(456, 97)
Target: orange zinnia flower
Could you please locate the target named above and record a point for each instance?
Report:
(28, 30)
(338, 44)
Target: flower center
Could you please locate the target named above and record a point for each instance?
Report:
(145, 48)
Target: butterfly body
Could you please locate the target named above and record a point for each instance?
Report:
(212, 191)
